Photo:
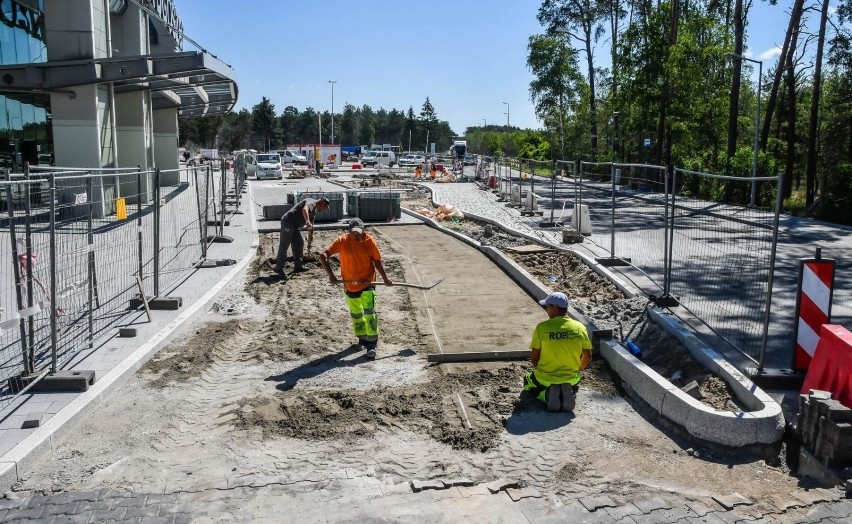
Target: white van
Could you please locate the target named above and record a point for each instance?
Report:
(291, 158)
(379, 158)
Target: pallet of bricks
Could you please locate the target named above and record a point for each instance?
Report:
(825, 428)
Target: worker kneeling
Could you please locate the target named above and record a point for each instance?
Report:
(560, 349)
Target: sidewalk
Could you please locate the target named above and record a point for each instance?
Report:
(115, 358)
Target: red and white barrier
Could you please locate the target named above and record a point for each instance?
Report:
(813, 308)
(831, 368)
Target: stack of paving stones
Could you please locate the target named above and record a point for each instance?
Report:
(825, 428)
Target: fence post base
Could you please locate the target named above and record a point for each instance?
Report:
(770, 378)
(613, 261)
(549, 223)
(65, 380)
(665, 301)
(216, 263)
(161, 303)
(220, 239)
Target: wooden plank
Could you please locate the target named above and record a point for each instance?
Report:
(530, 248)
(478, 356)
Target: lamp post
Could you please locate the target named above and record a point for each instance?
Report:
(484, 123)
(332, 82)
(507, 114)
(753, 199)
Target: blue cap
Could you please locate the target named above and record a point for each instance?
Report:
(557, 299)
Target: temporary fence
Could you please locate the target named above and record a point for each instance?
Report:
(683, 230)
(82, 247)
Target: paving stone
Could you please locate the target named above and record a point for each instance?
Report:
(473, 491)
(157, 520)
(160, 499)
(619, 512)
(595, 503)
(183, 518)
(11, 503)
(650, 504)
(731, 501)
(652, 517)
(419, 485)
(812, 496)
(146, 511)
(92, 505)
(24, 513)
(59, 509)
(679, 514)
(128, 502)
(523, 493)
(501, 485)
(180, 507)
(699, 508)
(731, 517)
(77, 518)
(457, 482)
(101, 515)
(710, 518)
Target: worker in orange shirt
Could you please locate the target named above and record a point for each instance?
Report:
(360, 259)
(418, 171)
(433, 173)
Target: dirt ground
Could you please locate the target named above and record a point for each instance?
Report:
(268, 384)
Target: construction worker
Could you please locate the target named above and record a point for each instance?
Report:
(418, 171)
(359, 261)
(560, 350)
(300, 215)
(432, 172)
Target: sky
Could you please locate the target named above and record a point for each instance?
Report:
(467, 56)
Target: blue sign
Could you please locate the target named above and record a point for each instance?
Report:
(647, 143)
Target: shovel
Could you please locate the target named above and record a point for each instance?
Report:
(400, 284)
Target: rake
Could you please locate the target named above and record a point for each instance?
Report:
(400, 284)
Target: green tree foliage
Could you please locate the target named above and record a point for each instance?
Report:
(264, 123)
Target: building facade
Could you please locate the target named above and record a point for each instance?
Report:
(101, 83)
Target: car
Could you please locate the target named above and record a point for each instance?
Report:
(269, 166)
(469, 160)
(411, 160)
(292, 159)
(379, 158)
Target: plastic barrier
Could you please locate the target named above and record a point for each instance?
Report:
(813, 307)
(831, 367)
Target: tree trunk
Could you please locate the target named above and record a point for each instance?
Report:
(786, 50)
(810, 171)
(667, 89)
(734, 101)
(593, 104)
(790, 164)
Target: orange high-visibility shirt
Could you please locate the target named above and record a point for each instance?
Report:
(356, 259)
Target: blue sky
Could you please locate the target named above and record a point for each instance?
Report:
(467, 56)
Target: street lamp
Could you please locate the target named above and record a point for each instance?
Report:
(507, 114)
(484, 123)
(332, 82)
(756, 124)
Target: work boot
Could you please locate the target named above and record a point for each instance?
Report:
(569, 400)
(371, 353)
(552, 395)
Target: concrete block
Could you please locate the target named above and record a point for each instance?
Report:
(818, 394)
(849, 488)
(693, 390)
(165, 303)
(466, 482)
(65, 380)
(812, 468)
(648, 505)
(33, 420)
(126, 332)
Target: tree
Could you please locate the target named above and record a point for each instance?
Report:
(287, 122)
(367, 131)
(348, 125)
(811, 165)
(579, 19)
(556, 80)
(265, 126)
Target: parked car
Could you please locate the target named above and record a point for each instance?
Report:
(269, 166)
(469, 160)
(292, 159)
(379, 158)
(411, 160)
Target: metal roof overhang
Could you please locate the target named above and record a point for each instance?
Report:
(196, 83)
